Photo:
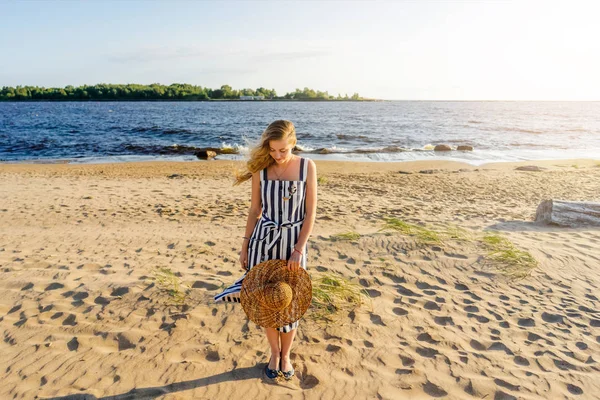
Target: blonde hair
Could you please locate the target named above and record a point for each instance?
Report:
(259, 155)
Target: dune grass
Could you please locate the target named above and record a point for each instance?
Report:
(511, 261)
(501, 252)
(459, 234)
(351, 235)
(422, 234)
(333, 295)
(321, 180)
(171, 284)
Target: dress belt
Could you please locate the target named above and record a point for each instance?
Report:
(277, 227)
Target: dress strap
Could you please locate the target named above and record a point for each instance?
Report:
(263, 175)
(303, 169)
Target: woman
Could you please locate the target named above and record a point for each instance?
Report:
(281, 218)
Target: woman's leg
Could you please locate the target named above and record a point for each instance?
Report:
(286, 346)
(273, 338)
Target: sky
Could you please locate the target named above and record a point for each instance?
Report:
(395, 50)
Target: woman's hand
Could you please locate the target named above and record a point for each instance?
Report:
(294, 262)
(244, 257)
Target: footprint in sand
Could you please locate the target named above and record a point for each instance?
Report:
(500, 395)
(54, 286)
(101, 300)
(426, 337)
(73, 344)
(499, 346)
(434, 390)
(430, 305)
(205, 285)
(522, 361)
(120, 291)
(80, 296)
(407, 361)
(333, 348)
(574, 389)
(507, 385)
(427, 352)
(14, 309)
(443, 321)
(471, 309)
(477, 345)
(70, 320)
(376, 319)
(308, 381)
(407, 292)
(399, 311)
(526, 322)
(57, 315)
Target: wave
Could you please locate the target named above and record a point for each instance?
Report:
(335, 150)
(535, 145)
(361, 138)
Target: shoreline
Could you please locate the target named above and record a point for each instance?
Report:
(324, 166)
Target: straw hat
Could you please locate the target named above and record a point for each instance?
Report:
(273, 296)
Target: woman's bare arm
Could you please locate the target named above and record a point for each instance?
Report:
(311, 206)
(253, 215)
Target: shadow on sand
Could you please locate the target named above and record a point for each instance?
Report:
(153, 392)
(531, 226)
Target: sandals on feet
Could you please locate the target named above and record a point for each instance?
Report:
(271, 373)
(286, 374)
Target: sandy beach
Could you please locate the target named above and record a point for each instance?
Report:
(93, 258)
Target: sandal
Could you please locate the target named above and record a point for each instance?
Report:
(286, 374)
(271, 373)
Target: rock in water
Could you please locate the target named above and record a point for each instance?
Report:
(442, 147)
(206, 154)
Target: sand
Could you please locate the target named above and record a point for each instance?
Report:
(84, 313)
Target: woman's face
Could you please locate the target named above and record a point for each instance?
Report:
(280, 150)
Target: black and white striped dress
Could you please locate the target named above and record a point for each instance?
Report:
(277, 230)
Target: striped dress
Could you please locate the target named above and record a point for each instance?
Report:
(277, 230)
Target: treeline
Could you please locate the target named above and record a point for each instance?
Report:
(176, 91)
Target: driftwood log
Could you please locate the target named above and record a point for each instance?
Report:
(568, 213)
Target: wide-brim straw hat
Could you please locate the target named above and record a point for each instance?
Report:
(273, 296)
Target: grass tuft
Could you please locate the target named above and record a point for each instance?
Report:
(332, 295)
(511, 261)
(346, 236)
(459, 234)
(423, 235)
(321, 180)
(171, 284)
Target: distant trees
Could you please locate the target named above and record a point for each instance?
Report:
(155, 91)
